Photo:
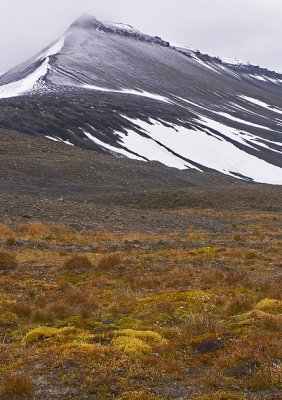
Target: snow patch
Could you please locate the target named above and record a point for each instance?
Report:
(211, 151)
(152, 150)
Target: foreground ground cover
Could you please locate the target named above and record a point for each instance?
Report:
(189, 314)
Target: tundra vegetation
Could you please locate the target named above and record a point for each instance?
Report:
(142, 316)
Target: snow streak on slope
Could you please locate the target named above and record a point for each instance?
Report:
(26, 84)
(174, 144)
(242, 121)
(241, 137)
(129, 91)
(262, 104)
(112, 149)
(136, 143)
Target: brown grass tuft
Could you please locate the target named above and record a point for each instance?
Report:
(237, 304)
(7, 261)
(110, 261)
(10, 241)
(77, 262)
(35, 229)
(15, 383)
(199, 324)
(6, 231)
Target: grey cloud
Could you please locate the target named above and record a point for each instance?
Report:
(246, 29)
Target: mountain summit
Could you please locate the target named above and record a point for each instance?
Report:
(85, 21)
(111, 88)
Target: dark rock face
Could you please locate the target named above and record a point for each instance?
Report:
(113, 89)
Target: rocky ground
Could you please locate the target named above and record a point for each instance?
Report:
(57, 183)
(128, 280)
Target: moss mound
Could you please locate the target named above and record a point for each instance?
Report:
(136, 342)
(58, 335)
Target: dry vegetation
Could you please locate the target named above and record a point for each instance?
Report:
(101, 315)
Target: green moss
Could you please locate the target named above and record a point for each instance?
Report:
(270, 305)
(136, 342)
(131, 345)
(61, 335)
(148, 336)
(89, 348)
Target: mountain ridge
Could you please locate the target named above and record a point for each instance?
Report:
(86, 21)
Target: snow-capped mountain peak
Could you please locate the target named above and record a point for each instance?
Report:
(85, 21)
(109, 87)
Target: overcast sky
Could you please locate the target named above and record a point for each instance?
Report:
(250, 30)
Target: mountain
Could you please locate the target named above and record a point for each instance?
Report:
(113, 89)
